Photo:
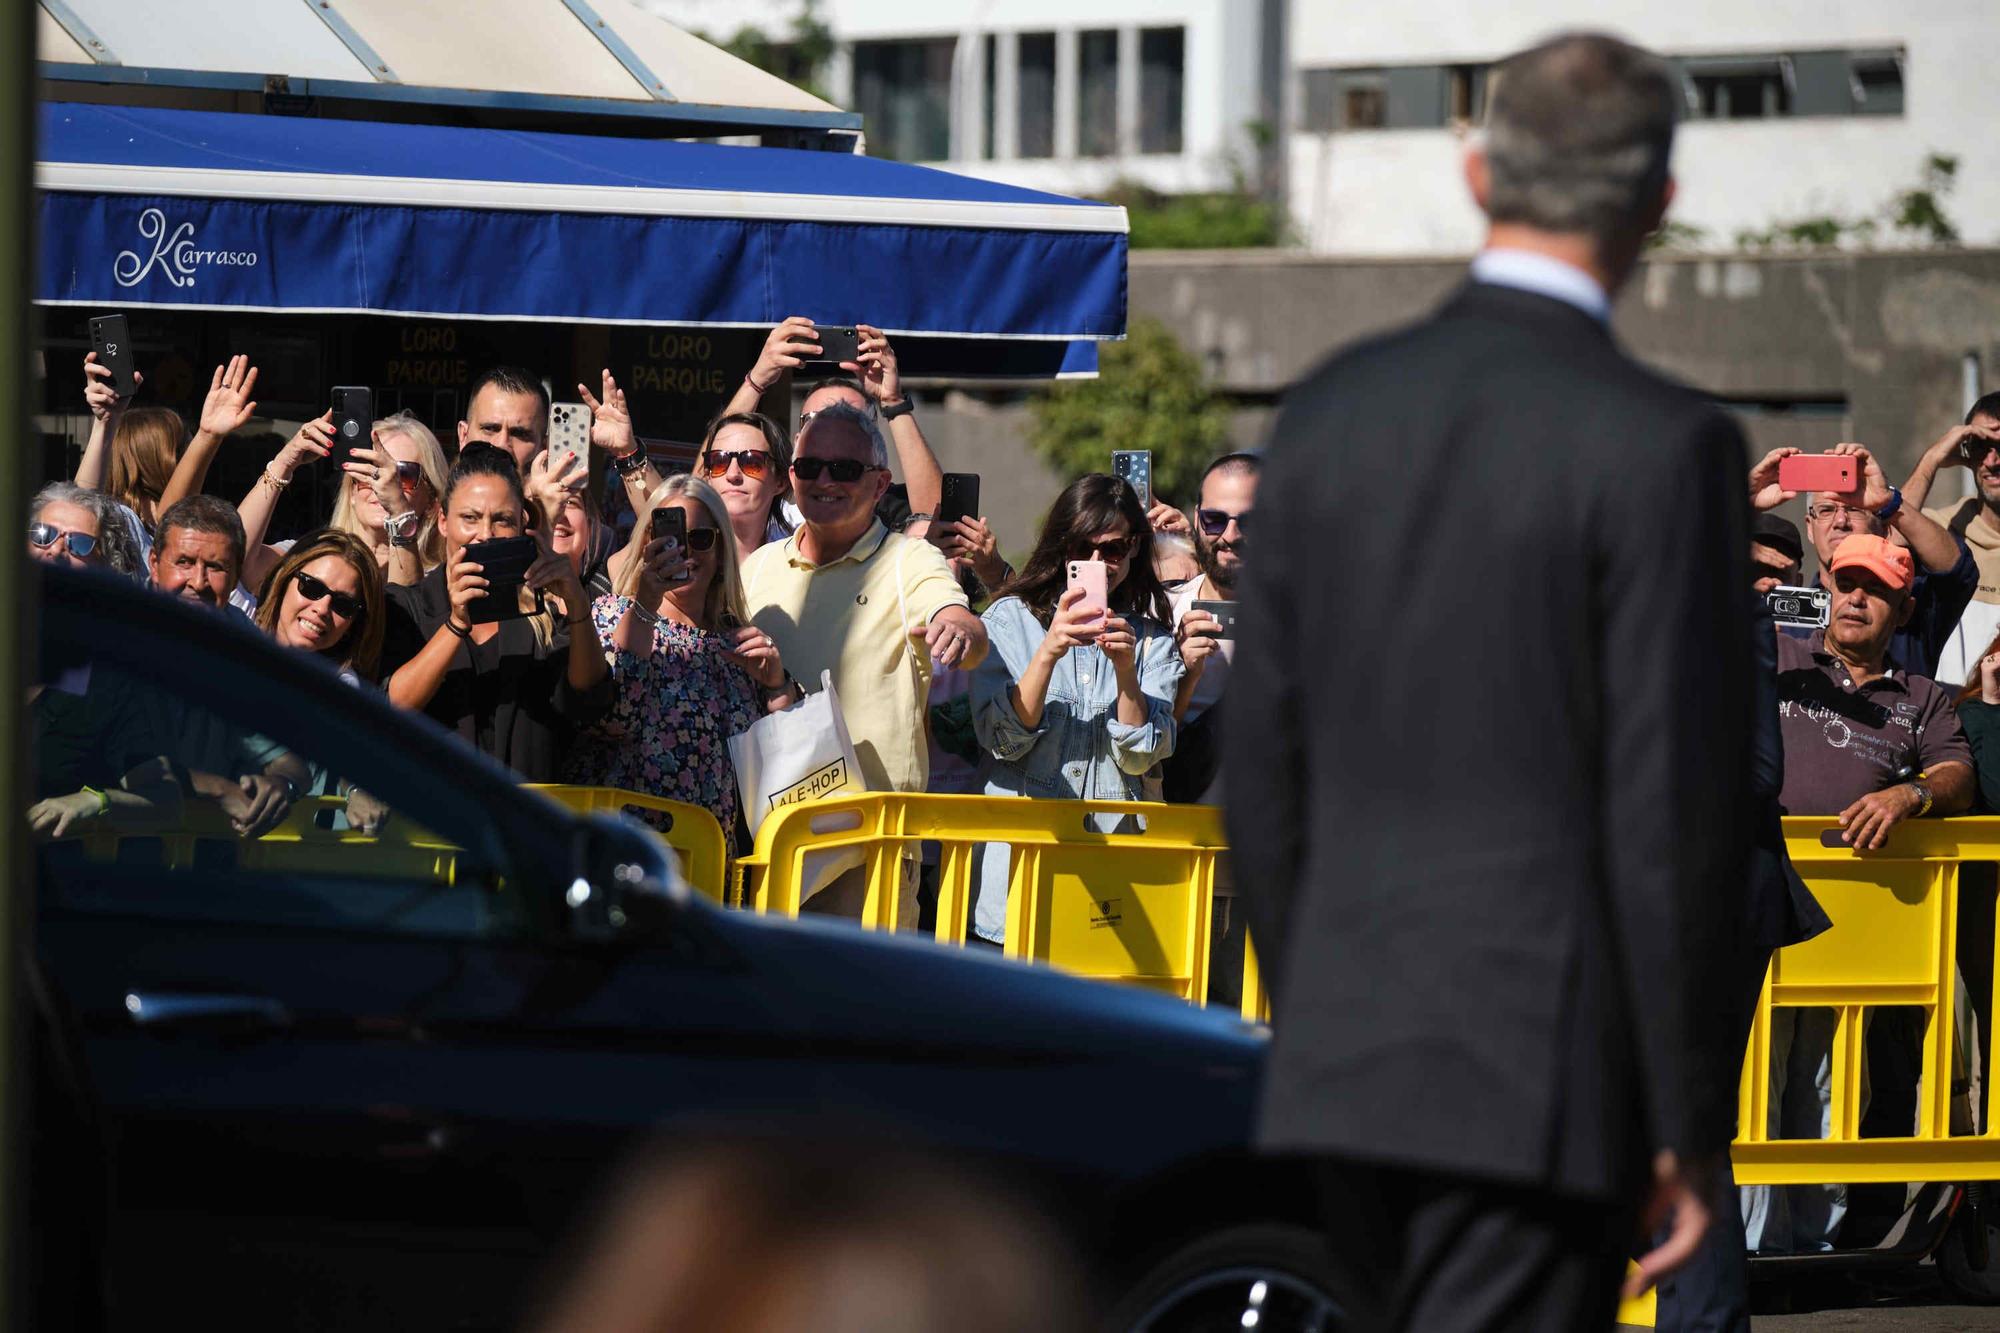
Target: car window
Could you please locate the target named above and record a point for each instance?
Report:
(147, 799)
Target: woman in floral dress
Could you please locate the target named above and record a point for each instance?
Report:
(688, 670)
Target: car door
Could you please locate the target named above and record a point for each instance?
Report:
(275, 1040)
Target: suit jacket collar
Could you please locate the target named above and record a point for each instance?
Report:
(1516, 305)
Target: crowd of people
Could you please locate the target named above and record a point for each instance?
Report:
(663, 614)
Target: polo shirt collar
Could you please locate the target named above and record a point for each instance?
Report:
(1891, 672)
(861, 552)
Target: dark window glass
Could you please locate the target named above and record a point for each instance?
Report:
(991, 63)
(1097, 94)
(1162, 53)
(1466, 93)
(1036, 107)
(1739, 90)
(1878, 85)
(903, 92)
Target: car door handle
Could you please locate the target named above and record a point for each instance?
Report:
(183, 1010)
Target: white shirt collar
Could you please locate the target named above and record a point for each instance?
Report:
(1527, 271)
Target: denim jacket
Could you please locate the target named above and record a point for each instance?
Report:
(1080, 750)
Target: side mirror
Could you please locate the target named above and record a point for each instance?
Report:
(623, 875)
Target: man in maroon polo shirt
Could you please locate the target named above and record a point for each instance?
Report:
(1874, 745)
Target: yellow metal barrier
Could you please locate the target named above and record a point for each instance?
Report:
(1131, 907)
(204, 840)
(691, 831)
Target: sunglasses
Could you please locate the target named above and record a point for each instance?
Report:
(45, 535)
(843, 470)
(1215, 522)
(701, 539)
(343, 605)
(756, 463)
(409, 474)
(1115, 549)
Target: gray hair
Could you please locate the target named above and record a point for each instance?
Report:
(1578, 132)
(878, 448)
(114, 533)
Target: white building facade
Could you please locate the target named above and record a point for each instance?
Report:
(1072, 96)
(1797, 109)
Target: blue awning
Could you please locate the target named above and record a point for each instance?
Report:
(219, 211)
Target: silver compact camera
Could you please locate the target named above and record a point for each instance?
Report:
(1809, 607)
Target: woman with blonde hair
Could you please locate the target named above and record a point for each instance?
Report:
(391, 517)
(688, 671)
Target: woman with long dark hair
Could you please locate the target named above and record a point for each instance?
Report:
(1074, 703)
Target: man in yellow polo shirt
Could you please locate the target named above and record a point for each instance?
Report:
(846, 595)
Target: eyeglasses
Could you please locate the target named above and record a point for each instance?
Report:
(78, 544)
(1108, 551)
(1215, 522)
(342, 604)
(1826, 513)
(842, 470)
(756, 463)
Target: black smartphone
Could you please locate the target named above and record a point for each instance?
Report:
(1224, 613)
(353, 420)
(836, 345)
(960, 498)
(504, 562)
(111, 339)
(671, 522)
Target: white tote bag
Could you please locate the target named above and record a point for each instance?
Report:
(800, 754)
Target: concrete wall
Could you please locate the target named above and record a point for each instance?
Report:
(1398, 192)
(1812, 350)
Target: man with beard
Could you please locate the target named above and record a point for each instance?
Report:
(199, 557)
(1976, 522)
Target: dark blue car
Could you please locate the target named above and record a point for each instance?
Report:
(303, 1099)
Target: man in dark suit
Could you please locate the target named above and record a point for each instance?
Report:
(1495, 883)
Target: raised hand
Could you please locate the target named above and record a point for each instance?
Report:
(377, 469)
(228, 403)
(1765, 492)
(1163, 517)
(1120, 644)
(1069, 627)
(1196, 638)
(98, 395)
(1874, 491)
(786, 349)
(875, 363)
(610, 419)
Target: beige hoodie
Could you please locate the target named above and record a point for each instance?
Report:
(1969, 520)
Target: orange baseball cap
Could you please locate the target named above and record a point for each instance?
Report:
(1879, 556)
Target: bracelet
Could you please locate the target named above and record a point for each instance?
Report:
(761, 390)
(627, 465)
(452, 625)
(103, 799)
(573, 621)
(902, 409)
(271, 479)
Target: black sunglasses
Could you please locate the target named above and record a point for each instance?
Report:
(1215, 522)
(701, 539)
(1115, 549)
(45, 535)
(343, 605)
(842, 470)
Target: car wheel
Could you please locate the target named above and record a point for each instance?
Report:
(1969, 1258)
(1264, 1277)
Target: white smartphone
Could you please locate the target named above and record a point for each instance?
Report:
(1135, 468)
(569, 435)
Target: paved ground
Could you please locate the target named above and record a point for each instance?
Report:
(1899, 1303)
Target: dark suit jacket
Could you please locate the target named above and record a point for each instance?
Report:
(1488, 764)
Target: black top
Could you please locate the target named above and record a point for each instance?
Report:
(89, 728)
(509, 696)
(1490, 832)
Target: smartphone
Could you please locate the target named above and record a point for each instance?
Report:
(353, 420)
(504, 561)
(836, 345)
(1837, 473)
(1808, 607)
(1089, 576)
(1225, 615)
(111, 339)
(1135, 468)
(569, 435)
(671, 522)
(960, 498)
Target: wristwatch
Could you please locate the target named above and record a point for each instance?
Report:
(1923, 791)
(402, 528)
(1888, 511)
(890, 411)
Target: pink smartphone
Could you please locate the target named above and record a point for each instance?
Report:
(1089, 576)
(1837, 473)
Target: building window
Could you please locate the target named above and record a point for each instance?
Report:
(1097, 94)
(1162, 56)
(903, 92)
(1345, 99)
(1035, 106)
(1878, 83)
(1749, 89)
(990, 65)
(1465, 93)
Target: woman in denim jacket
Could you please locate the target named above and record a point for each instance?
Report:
(1075, 705)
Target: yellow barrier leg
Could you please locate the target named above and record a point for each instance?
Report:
(1023, 916)
(1850, 1048)
(1201, 915)
(1256, 1004)
(1753, 1098)
(954, 904)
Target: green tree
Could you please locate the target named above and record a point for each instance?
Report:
(1149, 393)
